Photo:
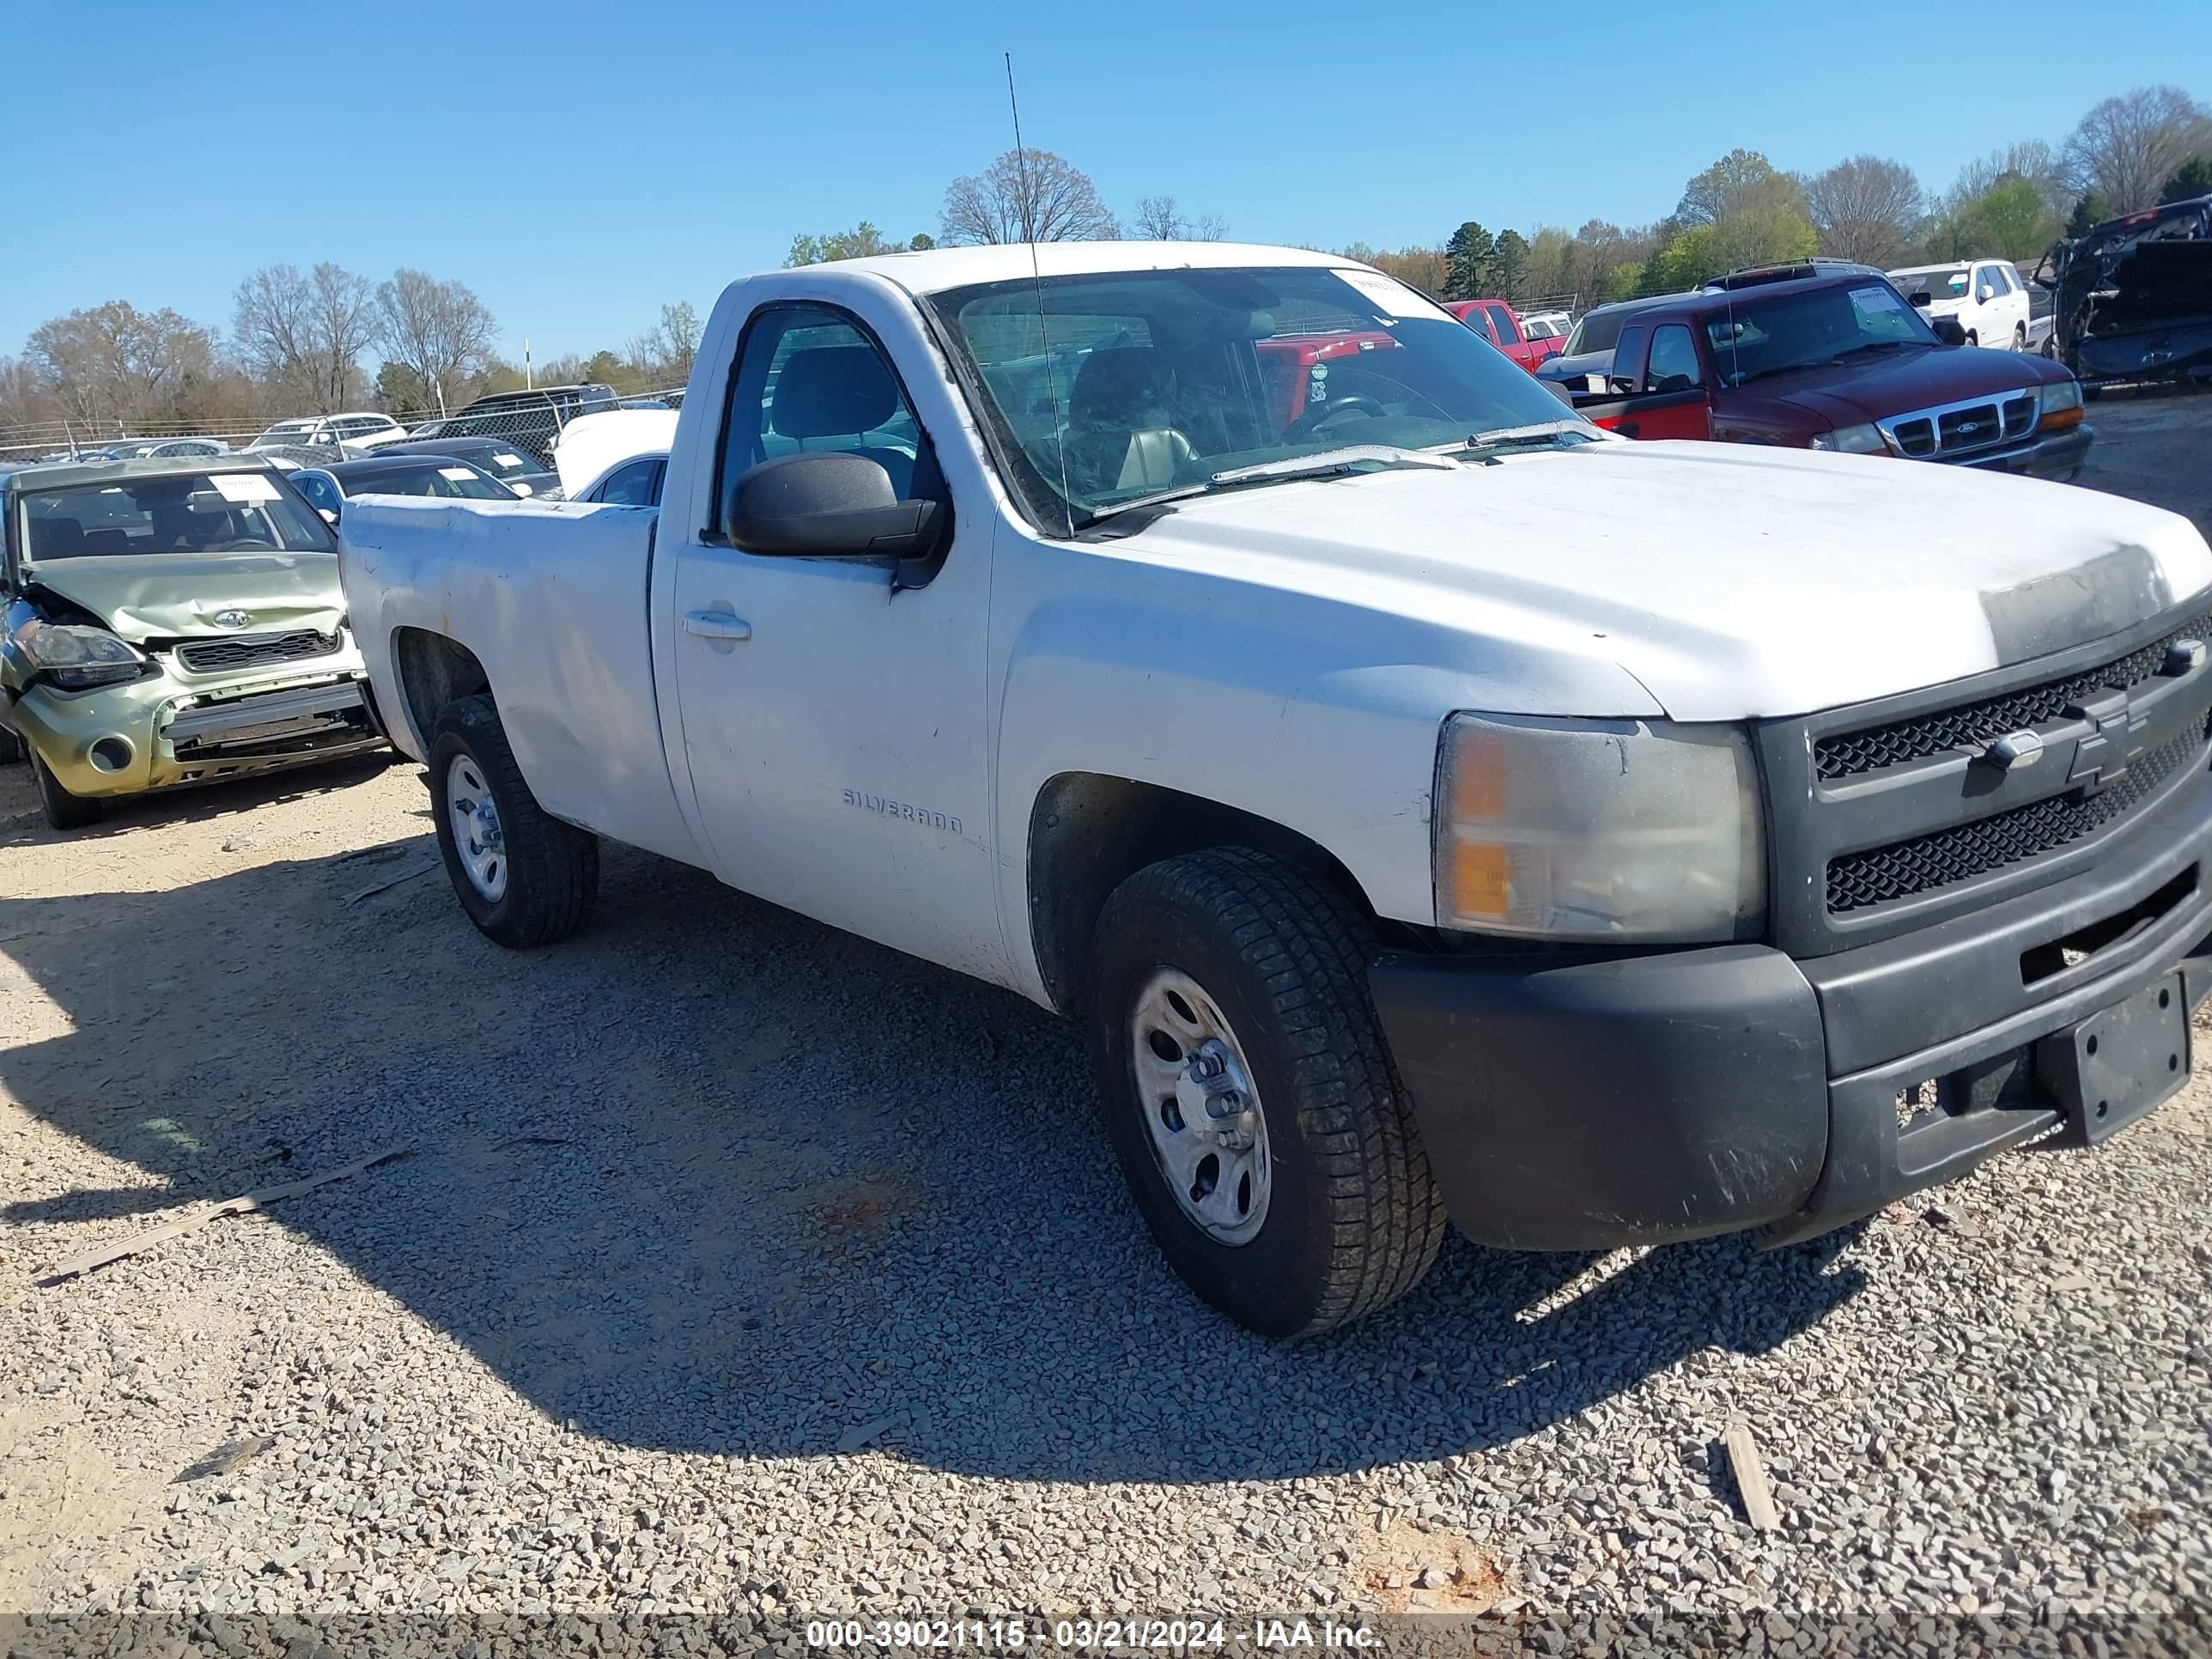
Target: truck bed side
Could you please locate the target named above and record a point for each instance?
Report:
(550, 597)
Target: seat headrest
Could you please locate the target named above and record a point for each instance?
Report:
(1117, 386)
(830, 391)
(57, 538)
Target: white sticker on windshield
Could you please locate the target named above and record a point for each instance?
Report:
(457, 474)
(1394, 298)
(243, 486)
(508, 460)
(1875, 299)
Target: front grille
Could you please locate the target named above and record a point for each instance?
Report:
(216, 656)
(1971, 725)
(1940, 434)
(1858, 880)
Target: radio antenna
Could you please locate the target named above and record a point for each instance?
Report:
(1037, 276)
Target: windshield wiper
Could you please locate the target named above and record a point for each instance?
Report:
(1327, 464)
(1329, 461)
(1539, 432)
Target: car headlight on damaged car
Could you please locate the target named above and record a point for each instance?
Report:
(1853, 441)
(75, 656)
(2062, 404)
(1614, 829)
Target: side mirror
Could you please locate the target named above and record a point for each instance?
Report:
(826, 503)
(1920, 298)
(1948, 329)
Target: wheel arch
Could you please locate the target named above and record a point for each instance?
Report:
(1089, 832)
(433, 672)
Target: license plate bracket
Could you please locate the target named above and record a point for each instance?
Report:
(2106, 1071)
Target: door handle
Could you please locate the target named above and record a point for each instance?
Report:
(717, 625)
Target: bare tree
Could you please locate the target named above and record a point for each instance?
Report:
(342, 324)
(112, 365)
(270, 327)
(1207, 228)
(1865, 208)
(1025, 195)
(679, 338)
(2031, 159)
(2127, 146)
(438, 331)
(1158, 220)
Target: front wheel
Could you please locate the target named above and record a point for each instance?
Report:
(2019, 338)
(62, 810)
(1251, 1098)
(1973, 338)
(524, 877)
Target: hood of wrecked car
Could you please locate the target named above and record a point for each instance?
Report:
(143, 596)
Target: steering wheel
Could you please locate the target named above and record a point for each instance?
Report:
(1314, 419)
(251, 544)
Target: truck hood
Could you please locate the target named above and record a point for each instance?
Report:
(1731, 581)
(146, 595)
(1886, 383)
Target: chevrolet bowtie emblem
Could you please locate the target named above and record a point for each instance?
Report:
(2015, 749)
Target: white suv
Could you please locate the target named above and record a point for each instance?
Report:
(1987, 296)
(364, 429)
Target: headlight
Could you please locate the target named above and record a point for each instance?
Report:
(74, 656)
(1853, 441)
(2062, 403)
(1620, 829)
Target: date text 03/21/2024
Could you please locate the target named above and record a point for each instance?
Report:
(1088, 1635)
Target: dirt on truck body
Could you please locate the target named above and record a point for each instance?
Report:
(2133, 297)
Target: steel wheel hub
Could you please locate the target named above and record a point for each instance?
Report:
(475, 820)
(1201, 1108)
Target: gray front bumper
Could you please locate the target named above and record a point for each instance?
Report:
(2059, 455)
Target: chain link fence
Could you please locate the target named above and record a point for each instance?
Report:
(531, 420)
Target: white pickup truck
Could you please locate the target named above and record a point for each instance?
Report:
(1431, 804)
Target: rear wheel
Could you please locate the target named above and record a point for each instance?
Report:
(1251, 1098)
(1973, 338)
(63, 810)
(524, 877)
(2019, 336)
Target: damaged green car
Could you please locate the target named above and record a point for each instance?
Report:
(169, 622)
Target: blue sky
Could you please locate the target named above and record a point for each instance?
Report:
(579, 164)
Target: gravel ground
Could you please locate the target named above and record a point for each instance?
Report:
(736, 1265)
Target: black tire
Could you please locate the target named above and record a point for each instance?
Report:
(2019, 336)
(12, 748)
(63, 810)
(552, 868)
(1972, 337)
(1354, 1218)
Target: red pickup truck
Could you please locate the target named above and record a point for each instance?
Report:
(1496, 322)
(1839, 362)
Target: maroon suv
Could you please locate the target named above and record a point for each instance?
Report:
(1838, 362)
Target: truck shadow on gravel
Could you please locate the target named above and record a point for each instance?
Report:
(714, 1179)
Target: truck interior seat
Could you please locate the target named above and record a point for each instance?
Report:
(57, 537)
(841, 391)
(1121, 431)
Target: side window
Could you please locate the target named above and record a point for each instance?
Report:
(1674, 364)
(1502, 324)
(807, 378)
(1627, 370)
(631, 486)
(1985, 283)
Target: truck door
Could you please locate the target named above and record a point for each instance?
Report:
(1661, 396)
(833, 724)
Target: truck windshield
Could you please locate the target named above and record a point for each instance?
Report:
(1135, 384)
(1756, 338)
(174, 513)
